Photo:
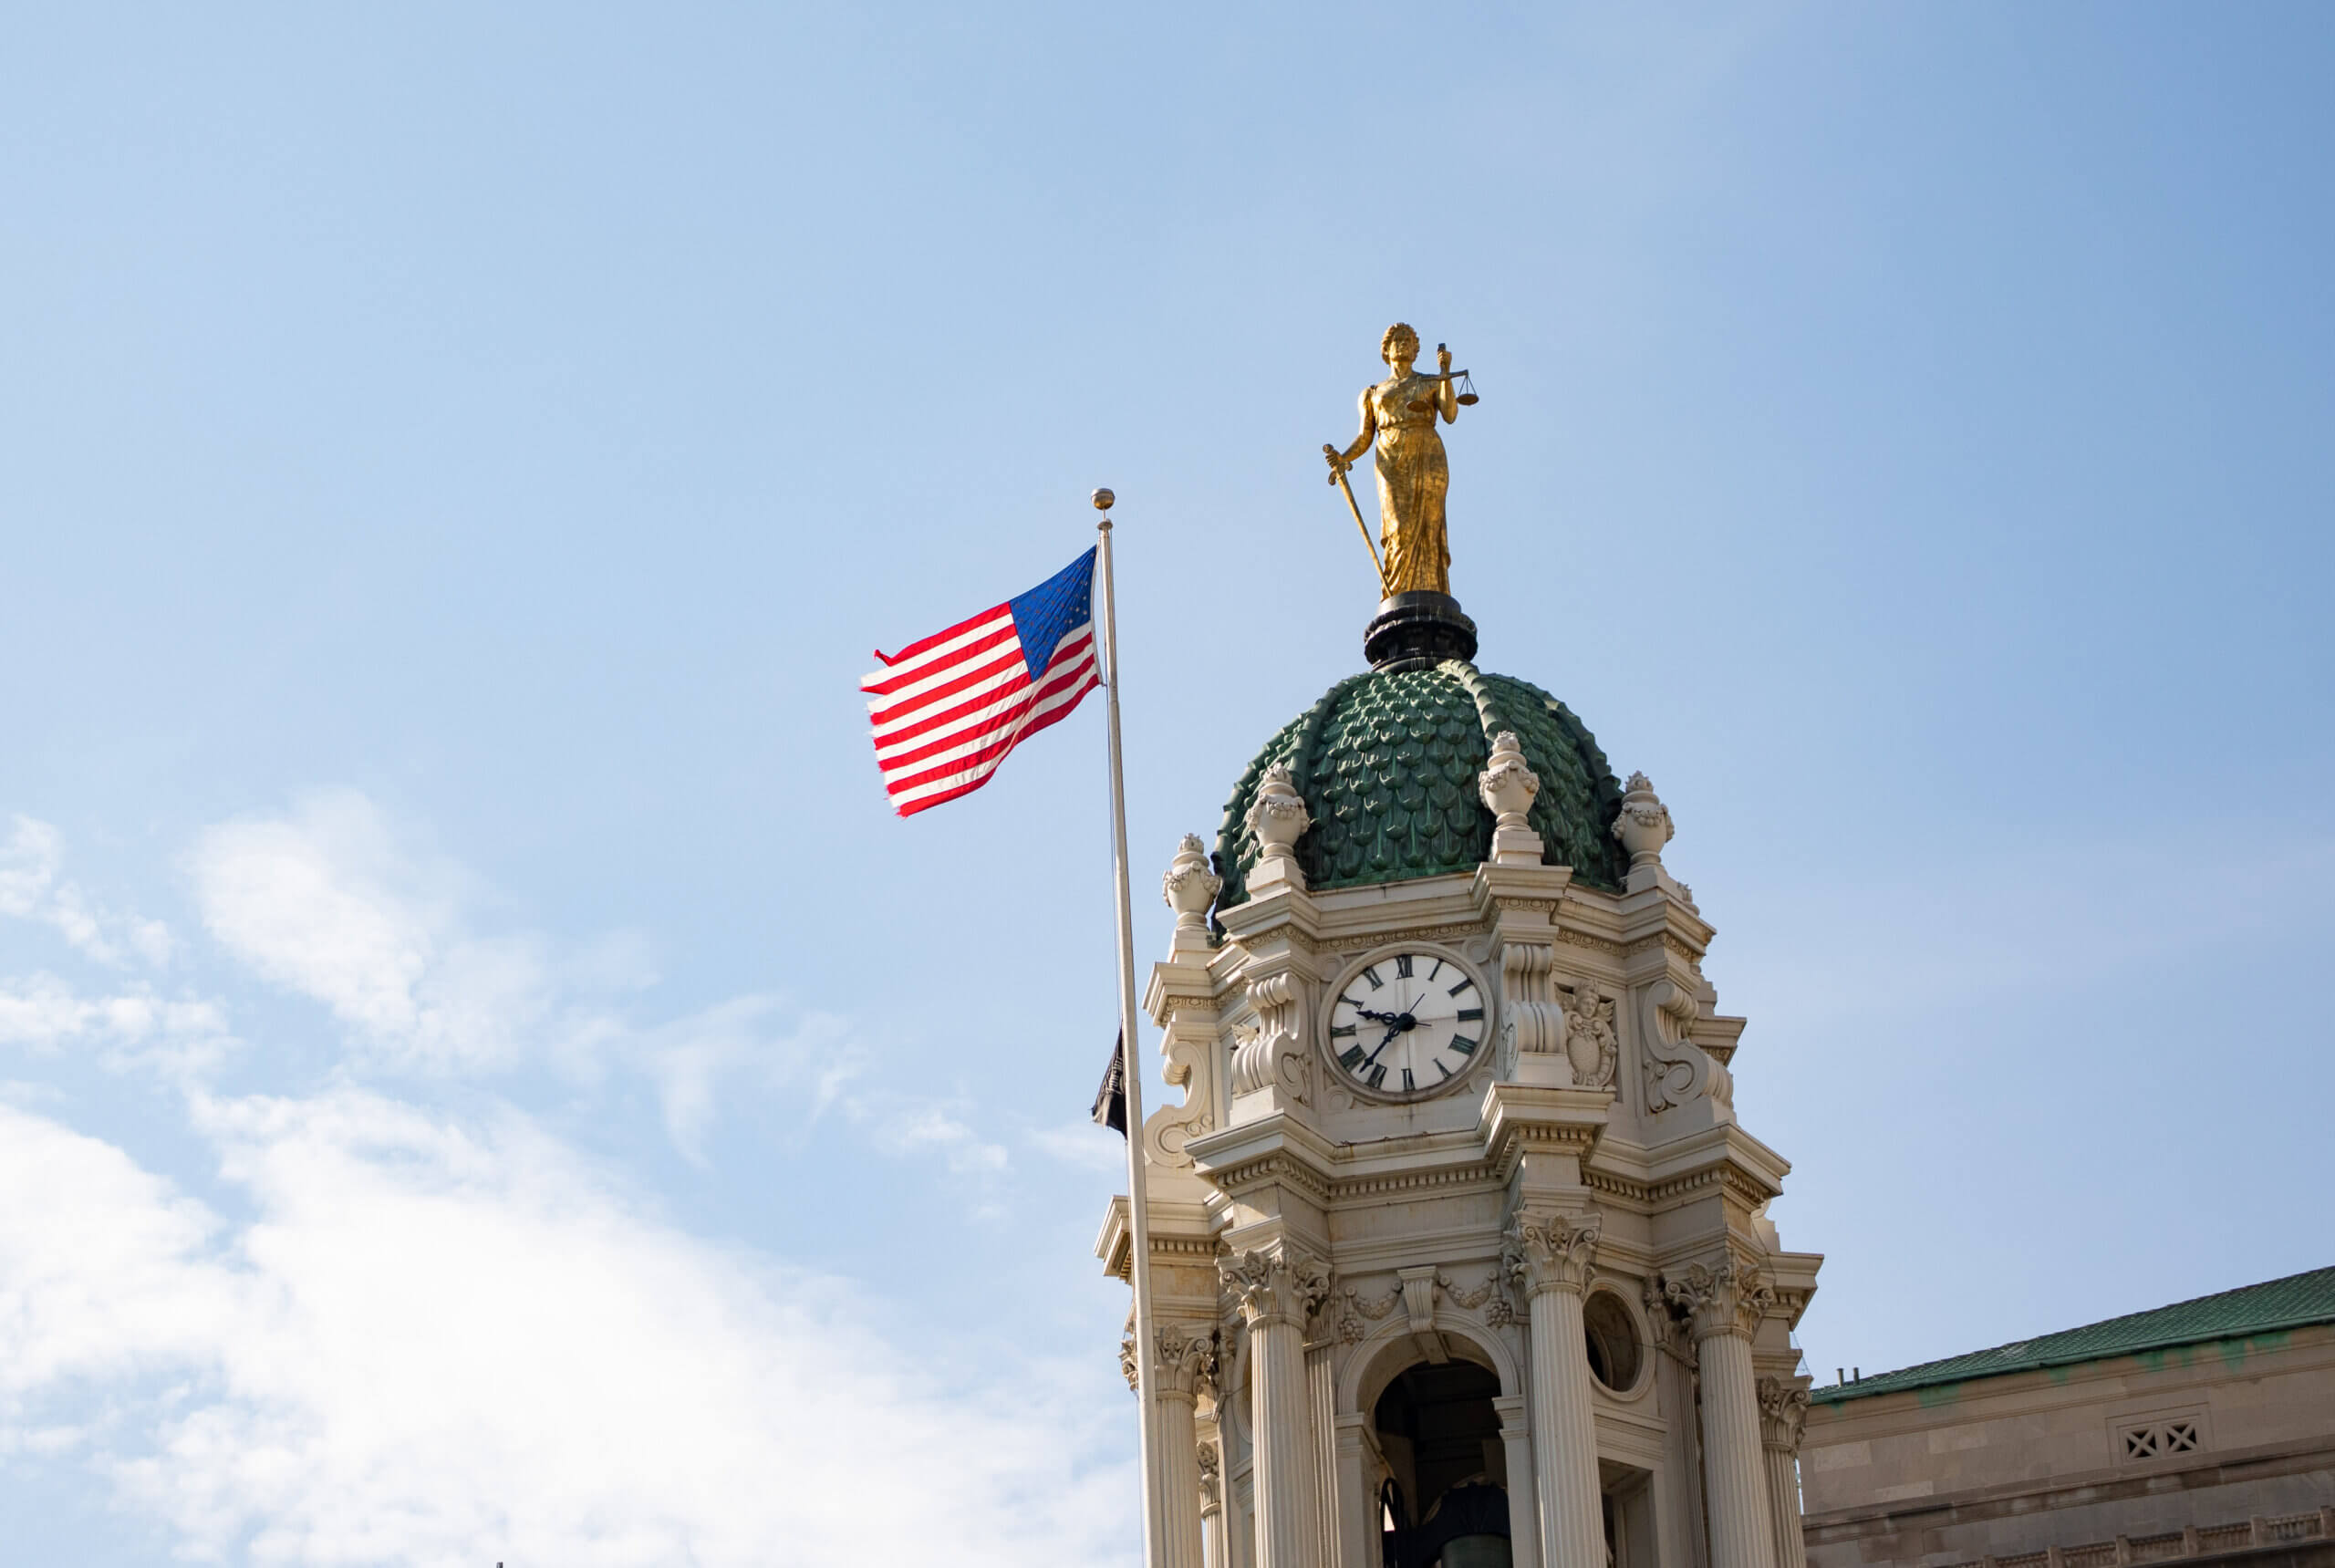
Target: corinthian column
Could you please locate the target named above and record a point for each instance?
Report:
(1211, 1508)
(1549, 1256)
(1278, 1288)
(1727, 1304)
(1186, 1358)
(1783, 1410)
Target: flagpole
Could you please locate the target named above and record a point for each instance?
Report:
(1138, 1209)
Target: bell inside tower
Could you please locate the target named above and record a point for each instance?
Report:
(1444, 1505)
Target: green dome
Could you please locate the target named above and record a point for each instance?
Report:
(1387, 765)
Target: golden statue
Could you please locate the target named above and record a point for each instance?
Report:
(1399, 413)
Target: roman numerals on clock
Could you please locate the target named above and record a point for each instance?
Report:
(1407, 1024)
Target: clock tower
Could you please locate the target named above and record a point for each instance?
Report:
(1459, 1253)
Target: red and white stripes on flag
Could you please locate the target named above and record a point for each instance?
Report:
(947, 709)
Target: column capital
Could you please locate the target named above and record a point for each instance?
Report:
(1275, 1283)
(1211, 1486)
(1186, 1359)
(1551, 1252)
(1783, 1412)
(1729, 1299)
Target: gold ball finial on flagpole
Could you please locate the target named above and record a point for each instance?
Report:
(1102, 500)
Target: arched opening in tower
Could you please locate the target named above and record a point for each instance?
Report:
(1446, 1504)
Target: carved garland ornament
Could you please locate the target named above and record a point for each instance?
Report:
(1347, 1314)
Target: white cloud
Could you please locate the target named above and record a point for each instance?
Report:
(328, 902)
(446, 1343)
(1084, 1144)
(42, 1013)
(32, 889)
(324, 903)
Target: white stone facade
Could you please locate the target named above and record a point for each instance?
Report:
(1556, 1273)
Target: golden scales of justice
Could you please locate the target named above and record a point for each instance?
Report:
(1339, 461)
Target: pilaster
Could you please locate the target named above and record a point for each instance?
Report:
(1549, 1255)
(1725, 1304)
(1783, 1414)
(1277, 1287)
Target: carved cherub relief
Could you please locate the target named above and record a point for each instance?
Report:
(1591, 1044)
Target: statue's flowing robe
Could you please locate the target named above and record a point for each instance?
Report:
(1413, 479)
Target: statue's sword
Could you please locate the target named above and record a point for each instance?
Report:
(1338, 467)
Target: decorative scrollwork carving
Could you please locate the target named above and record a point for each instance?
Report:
(1677, 1069)
(1530, 1022)
(1272, 1054)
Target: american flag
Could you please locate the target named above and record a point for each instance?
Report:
(948, 709)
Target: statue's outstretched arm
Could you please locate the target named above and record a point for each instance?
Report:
(1447, 391)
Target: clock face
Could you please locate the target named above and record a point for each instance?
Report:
(1407, 1024)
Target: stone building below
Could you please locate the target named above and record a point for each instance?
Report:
(2204, 1431)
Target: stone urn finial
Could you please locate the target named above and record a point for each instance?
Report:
(1645, 824)
(1190, 887)
(1507, 787)
(1508, 784)
(1279, 819)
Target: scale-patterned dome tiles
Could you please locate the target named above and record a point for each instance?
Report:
(1387, 765)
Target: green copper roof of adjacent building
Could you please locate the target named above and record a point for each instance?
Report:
(2268, 1308)
(1387, 765)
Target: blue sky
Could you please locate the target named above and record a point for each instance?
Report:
(482, 1075)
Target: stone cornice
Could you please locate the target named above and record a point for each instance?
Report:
(1274, 1149)
(1500, 891)
(2081, 1489)
(2037, 1390)
(1277, 1168)
(1755, 1172)
(1115, 1243)
(1476, 1173)
(1520, 1119)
